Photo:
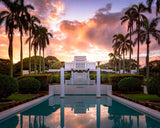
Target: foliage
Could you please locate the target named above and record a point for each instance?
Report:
(20, 97)
(114, 79)
(93, 76)
(29, 85)
(55, 78)
(153, 86)
(67, 76)
(8, 85)
(129, 84)
(4, 66)
(50, 60)
(43, 78)
(143, 97)
(56, 65)
(154, 68)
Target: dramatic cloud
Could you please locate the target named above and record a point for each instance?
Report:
(92, 38)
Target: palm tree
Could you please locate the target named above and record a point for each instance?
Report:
(32, 26)
(34, 45)
(129, 17)
(137, 13)
(122, 45)
(8, 16)
(148, 29)
(150, 2)
(44, 41)
(117, 50)
(23, 19)
(114, 59)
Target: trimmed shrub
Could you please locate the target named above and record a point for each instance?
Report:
(67, 76)
(55, 78)
(93, 76)
(153, 86)
(44, 79)
(29, 85)
(8, 85)
(130, 84)
(115, 78)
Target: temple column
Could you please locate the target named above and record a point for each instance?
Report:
(71, 76)
(98, 90)
(62, 81)
(62, 113)
(88, 77)
(98, 112)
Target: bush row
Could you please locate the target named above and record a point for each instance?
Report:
(114, 79)
(44, 79)
(130, 84)
(153, 86)
(29, 85)
(8, 85)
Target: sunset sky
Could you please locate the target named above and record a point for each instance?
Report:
(80, 27)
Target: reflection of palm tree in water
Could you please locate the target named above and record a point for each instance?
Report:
(36, 123)
(121, 122)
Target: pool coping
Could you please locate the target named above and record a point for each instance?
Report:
(4, 115)
(139, 107)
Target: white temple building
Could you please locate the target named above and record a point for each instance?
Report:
(80, 69)
(80, 63)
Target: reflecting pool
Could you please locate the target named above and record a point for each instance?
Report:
(80, 112)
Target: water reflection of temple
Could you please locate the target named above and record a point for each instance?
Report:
(118, 114)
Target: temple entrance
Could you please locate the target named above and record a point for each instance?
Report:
(80, 69)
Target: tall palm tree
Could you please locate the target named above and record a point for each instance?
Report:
(123, 45)
(44, 41)
(114, 59)
(117, 50)
(34, 21)
(148, 30)
(137, 13)
(9, 16)
(150, 2)
(23, 19)
(34, 45)
(129, 17)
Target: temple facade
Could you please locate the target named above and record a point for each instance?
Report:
(80, 63)
(80, 69)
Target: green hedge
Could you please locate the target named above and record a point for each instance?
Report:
(55, 78)
(29, 85)
(44, 79)
(130, 84)
(153, 86)
(8, 85)
(114, 79)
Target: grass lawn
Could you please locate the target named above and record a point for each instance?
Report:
(143, 97)
(20, 97)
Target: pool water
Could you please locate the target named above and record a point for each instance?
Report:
(80, 112)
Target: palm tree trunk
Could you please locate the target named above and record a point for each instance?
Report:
(130, 52)
(40, 60)
(10, 51)
(115, 67)
(119, 66)
(147, 63)
(30, 53)
(35, 62)
(123, 63)
(138, 52)
(21, 54)
(43, 61)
